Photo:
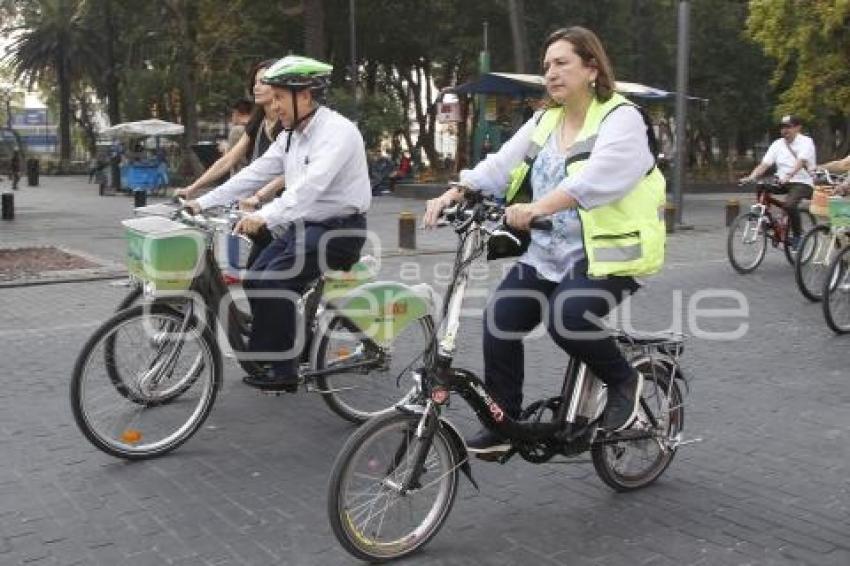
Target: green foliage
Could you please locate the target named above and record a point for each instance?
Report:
(376, 114)
(810, 42)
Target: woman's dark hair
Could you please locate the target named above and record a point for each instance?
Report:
(256, 68)
(587, 46)
(255, 122)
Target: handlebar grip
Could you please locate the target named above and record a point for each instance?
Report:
(540, 223)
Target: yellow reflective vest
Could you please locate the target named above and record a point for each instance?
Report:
(625, 237)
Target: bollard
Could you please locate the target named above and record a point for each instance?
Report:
(407, 231)
(733, 209)
(8, 206)
(140, 198)
(32, 172)
(670, 217)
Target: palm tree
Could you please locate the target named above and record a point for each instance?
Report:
(55, 45)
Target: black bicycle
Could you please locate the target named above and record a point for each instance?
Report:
(147, 378)
(395, 480)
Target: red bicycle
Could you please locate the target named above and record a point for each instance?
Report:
(767, 220)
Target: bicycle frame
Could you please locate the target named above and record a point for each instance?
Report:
(777, 228)
(363, 306)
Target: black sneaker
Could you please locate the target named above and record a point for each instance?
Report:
(486, 441)
(270, 382)
(623, 403)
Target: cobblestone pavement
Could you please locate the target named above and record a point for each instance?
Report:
(769, 485)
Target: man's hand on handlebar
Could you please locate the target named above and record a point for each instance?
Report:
(249, 225)
(250, 204)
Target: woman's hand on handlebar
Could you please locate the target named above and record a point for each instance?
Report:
(435, 206)
(520, 216)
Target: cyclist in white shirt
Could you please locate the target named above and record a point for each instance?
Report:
(793, 154)
(323, 158)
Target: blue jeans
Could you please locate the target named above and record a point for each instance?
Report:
(274, 324)
(518, 307)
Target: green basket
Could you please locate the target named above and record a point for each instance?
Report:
(163, 252)
(839, 211)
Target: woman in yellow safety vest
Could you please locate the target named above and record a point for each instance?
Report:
(587, 161)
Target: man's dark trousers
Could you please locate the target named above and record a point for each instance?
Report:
(796, 193)
(284, 270)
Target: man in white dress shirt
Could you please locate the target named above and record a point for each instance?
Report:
(323, 157)
(794, 156)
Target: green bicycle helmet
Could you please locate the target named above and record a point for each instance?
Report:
(297, 72)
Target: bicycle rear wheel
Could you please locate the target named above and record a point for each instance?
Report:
(632, 464)
(382, 380)
(836, 293)
(168, 382)
(746, 243)
(810, 265)
(370, 516)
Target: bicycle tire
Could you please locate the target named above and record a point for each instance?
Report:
(381, 393)
(130, 448)
(661, 376)
(760, 243)
(836, 292)
(344, 472)
(809, 266)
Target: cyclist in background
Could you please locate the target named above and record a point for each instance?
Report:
(793, 154)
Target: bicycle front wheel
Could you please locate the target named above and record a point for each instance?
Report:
(746, 243)
(811, 263)
(168, 382)
(369, 514)
(380, 375)
(836, 293)
(632, 464)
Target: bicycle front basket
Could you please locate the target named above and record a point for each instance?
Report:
(839, 211)
(163, 252)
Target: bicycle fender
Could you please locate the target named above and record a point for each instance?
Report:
(383, 309)
(455, 436)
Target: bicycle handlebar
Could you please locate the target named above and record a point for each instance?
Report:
(477, 207)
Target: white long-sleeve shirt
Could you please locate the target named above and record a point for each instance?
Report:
(325, 169)
(619, 160)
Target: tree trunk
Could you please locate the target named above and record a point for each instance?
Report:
(112, 89)
(518, 35)
(314, 28)
(64, 111)
(185, 16)
(84, 119)
(462, 157)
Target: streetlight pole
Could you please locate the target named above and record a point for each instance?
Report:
(681, 105)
